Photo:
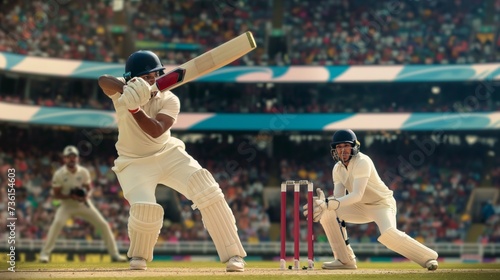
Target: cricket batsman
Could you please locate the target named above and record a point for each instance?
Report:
(148, 155)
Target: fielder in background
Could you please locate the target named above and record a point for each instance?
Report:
(148, 155)
(368, 200)
(72, 184)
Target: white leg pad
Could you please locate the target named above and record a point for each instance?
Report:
(216, 214)
(406, 246)
(144, 224)
(337, 237)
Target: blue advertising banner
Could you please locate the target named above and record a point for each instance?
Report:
(272, 74)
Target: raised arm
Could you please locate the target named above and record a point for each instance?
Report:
(154, 127)
(110, 85)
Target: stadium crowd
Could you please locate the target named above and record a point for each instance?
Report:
(59, 29)
(324, 32)
(298, 98)
(431, 196)
(391, 32)
(491, 231)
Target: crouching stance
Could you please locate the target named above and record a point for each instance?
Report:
(368, 200)
(148, 155)
(72, 185)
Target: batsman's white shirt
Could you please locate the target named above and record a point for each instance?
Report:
(132, 141)
(143, 161)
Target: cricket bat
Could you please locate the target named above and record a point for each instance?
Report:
(206, 62)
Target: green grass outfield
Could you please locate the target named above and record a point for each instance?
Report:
(254, 270)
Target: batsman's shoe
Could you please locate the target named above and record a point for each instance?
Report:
(137, 263)
(235, 264)
(44, 258)
(431, 264)
(336, 264)
(118, 258)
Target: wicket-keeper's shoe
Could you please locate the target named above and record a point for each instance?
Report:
(431, 264)
(44, 258)
(137, 263)
(336, 264)
(118, 258)
(235, 264)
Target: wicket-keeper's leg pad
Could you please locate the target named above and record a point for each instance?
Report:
(337, 236)
(144, 224)
(216, 214)
(406, 246)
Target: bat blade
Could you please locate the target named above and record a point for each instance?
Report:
(207, 62)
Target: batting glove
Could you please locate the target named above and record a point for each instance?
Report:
(142, 88)
(130, 98)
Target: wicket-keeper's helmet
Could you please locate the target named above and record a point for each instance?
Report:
(142, 62)
(344, 136)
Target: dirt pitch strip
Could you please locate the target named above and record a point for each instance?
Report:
(179, 272)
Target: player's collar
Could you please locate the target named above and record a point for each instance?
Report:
(77, 167)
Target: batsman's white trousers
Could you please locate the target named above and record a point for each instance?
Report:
(383, 214)
(175, 168)
(172, 167)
